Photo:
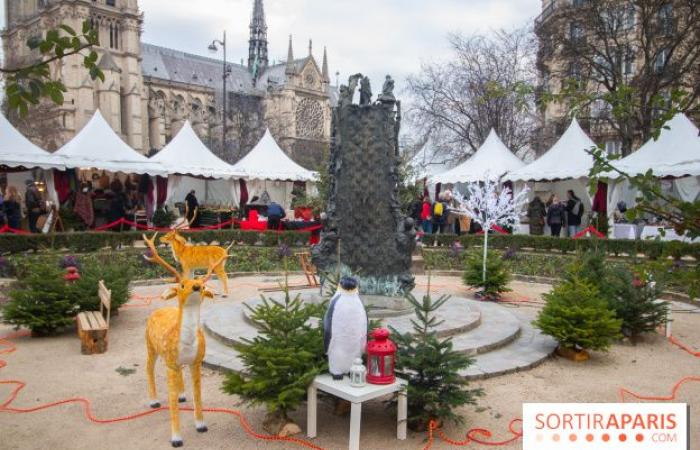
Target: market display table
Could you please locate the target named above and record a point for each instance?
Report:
(625, 231)
(355, 395)
(652, 232)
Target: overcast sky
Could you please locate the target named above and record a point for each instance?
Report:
(374, 37)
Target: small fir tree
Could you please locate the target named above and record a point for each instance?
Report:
(497, 276)
(41, 300)
(431, 366)
(282, 361)
(578, 317)
(636, 302)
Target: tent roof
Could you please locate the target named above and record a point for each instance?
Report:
(267, 161)
(492, 159)
(186, 154)
(18, 151)
(676, 153)
(98, 146)
(567, 159)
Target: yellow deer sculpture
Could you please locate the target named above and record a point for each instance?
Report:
(191, 257)
(174, 335)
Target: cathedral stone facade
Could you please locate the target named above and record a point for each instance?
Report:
(150, 91)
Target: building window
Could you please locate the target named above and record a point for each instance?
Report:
(665, 20)
(575, 31)
(661, 60)
(613, 147)
(111, 2)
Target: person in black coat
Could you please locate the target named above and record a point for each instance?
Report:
(192, 208)
(574, 212)
(556, 215)
(275, 214)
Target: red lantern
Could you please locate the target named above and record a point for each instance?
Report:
(72, 274)
(381, 357)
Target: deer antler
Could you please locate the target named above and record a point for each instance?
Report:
(157, 259)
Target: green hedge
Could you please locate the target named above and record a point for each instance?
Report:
(91, 241)
(650, 248)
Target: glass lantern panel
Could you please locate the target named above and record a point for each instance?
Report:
(355, 377)
(388, 365)
(374, 366)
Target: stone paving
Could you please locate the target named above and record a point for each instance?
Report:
(500, 339)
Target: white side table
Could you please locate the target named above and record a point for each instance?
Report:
(342, 389)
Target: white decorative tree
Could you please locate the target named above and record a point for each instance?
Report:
(488, 206)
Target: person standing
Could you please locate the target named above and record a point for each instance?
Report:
(536, 212)
(555, 215)
(440, 212)
(275, 214)
(191, 208)
(32, 201)
(12, 206)
(425, 216)
(574, 212)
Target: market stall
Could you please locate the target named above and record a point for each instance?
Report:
(191, 165)
(491, 160)
(270, 174)
(564, 166)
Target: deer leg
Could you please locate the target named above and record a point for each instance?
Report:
(175, 437)
(221, 274)
(180, 387)
(150, 374)
(196, 372)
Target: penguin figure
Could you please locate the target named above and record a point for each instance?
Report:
(344, 328)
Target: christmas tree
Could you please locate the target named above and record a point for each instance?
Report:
(282, 361)
(578, 317)
(431, 366)
(497, 276)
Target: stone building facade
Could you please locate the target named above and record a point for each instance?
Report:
(608, 43)
(150, 91)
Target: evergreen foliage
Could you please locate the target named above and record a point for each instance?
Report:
(578, 317)
(497, 275)
(432, 368)
(282, 361)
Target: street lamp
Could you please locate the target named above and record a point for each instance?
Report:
(213, 47)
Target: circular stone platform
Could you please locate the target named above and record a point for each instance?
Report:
(499, 340)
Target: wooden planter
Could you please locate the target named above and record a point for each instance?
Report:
(573, 355)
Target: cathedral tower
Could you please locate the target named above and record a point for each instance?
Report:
(257, 51)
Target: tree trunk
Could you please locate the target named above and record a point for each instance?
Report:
(486, 243)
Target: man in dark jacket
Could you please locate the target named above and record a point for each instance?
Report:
(275, 214)
(574, 212)
(32, 201)
(556, 215)
(536, 212)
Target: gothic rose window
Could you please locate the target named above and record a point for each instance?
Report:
(309, 117)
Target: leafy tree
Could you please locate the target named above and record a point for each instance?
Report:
(497, 275)
(431, 366)
(27, 84)
(282, 361)
(578, 317)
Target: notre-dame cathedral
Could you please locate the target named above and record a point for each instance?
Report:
(150, 91)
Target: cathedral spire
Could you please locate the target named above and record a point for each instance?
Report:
(326, 77)
(257, 51)
(311, 47)
(291, 67)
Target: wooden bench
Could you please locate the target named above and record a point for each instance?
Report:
(93, 325)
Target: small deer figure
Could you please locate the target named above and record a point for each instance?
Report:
(174, 335)
(192, 257)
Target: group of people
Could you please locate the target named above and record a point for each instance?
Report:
(11, 212)
(556, 214)
(440, 217)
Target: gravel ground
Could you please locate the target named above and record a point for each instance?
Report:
(115, 384)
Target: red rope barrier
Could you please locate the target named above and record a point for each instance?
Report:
(123, 221)
(7, 229)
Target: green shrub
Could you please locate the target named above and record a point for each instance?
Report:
(578, 317)
(163, 218)
(116, 273)
(497, 275)
(431, 366)
(41, 300)
(636, 302)
(282, 361)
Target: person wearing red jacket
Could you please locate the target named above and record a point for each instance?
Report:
(425, 216)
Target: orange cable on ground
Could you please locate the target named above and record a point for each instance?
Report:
(471, 436)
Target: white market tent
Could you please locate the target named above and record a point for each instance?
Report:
(675, 154)
(191, 165)
(492, 159)
(564, 166)
(97, 146)
(268, 169)
(18, 151)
